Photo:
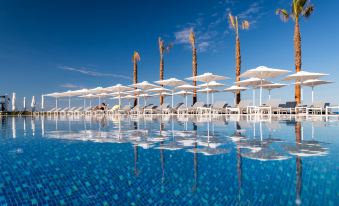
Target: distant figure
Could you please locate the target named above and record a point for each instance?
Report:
(102, 106)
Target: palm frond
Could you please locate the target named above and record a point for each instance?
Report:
(136, 56)
(168, 47)
(245, 24)
(231, 20)
(284, 15)
(308, 11)
(192, 39)
(161, 45)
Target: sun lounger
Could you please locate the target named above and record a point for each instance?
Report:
(172, 110)
(219, 107)
(242, 107)
(317, 108)
(196, 107)
(50, 111)
(287, 108)
(125, 110)
(151, 109)
(270, 106)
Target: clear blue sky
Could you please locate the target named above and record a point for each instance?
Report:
(50, 46)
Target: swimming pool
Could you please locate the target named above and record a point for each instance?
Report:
(179, 160)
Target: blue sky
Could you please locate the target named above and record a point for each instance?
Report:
(50, 46)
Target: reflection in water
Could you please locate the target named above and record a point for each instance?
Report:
(192, 143)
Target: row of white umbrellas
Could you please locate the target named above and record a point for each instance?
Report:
(256, 79)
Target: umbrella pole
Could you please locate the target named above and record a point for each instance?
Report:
(84, 103)
(253, 96)
(56, 103)
(172, 98)
(119, 101)
(69, 102)
(260, 95)
(90, 103)
(212, 97)
(99, 100)
(312, 95)
(269, 94)
(207, 96)
(302, 93)
(186, 99)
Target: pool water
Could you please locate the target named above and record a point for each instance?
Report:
(227, 160)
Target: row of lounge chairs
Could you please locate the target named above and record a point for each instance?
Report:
(244, 107)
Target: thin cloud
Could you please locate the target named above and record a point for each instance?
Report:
(71, 86)
(89, 72)
(212, 26)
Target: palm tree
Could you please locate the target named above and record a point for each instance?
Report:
(162, 49)
(233, 20)
(136, 59)
(194, 63)
(300, 8)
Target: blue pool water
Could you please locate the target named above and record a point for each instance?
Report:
(169, 161)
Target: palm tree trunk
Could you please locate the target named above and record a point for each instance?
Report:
(194, 69)
(297, 49)
(237, 66)
(135, 78)
(161, 76)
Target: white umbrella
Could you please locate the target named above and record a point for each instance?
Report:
(33, 104)
(302, 76)
(137, 93)
(184, 93)
(90, 97)
(263, 72)
(42, 102)
(161, 91)
(56, 95)
(14, 102)
(187, 87)
(172, 82)
(234, 89)
(128, 97)
(119, 88)
(253, 82)
(24, 104)
(314, 82)
(271, 86)
(145, 96)
(97, 90)
(207, 78)
(212, 84)
(145, 85)
(208, 91)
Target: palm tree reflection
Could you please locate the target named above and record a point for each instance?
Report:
(298, 165)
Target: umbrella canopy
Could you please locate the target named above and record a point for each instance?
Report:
(187, 87)
(211, 84)
(159, 90)
(303, 76)
(172, 82)
(119, 88)
(208, 91)
(184, 93)
(271, 86)
(14, 102)
(314, 82)
(234, 89)
(97, 90)
(263, 72)
(145, 85)
(207, 77)
(253, 82)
